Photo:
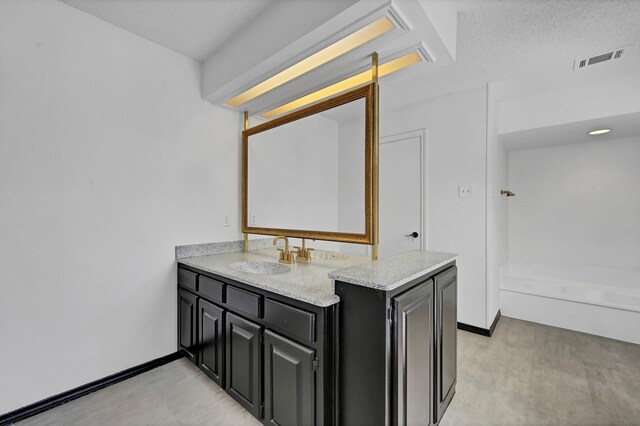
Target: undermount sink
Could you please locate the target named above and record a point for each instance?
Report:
(260, 268)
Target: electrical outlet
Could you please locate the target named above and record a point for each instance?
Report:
(464, 191)
(252, 220)
(225, 220)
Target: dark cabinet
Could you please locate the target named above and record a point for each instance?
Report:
(397, 354)
(187, 324)
(211, 340)
(289, 382)
(211, 289)
(276, 356)
(187, 279)
(244, 301)
(445, 338)
(299, 323)
(244, 363)
(412, 357)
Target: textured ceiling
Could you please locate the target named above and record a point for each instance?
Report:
(531, 44)
(194, 28)
(624, 126)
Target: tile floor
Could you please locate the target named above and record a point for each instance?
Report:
(526, 374)
(532, 374)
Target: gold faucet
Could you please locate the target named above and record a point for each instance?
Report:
(303, 253)
(286, 256)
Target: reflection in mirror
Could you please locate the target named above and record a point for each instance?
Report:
(309, 174)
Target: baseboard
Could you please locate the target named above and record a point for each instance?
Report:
(473, 329)
(479, 330)
(64, 397)
(494, 323)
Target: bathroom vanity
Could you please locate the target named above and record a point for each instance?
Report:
(338, 340)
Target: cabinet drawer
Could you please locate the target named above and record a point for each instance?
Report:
(210, 288)
(296, 321)
(187, 279)
(244, 301)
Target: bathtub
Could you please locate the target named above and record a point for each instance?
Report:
(593, 300)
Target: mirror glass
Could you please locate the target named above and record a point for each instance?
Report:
(309, 174)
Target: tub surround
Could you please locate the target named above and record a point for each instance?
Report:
(582, 298)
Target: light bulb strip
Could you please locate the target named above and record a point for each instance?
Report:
(329, 53)
(344, 85)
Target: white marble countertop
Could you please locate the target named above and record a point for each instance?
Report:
(307, 282)
(392, 272)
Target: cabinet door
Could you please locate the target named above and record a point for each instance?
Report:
(446, 339)
(289, 387)
(187, 324)
(413, 359)
(244, 363)
(211, 340)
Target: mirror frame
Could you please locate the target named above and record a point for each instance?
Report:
(366, 92)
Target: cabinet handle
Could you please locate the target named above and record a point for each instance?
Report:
(414, 234)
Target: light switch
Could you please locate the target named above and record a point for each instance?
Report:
(464, 191)
(225, 220)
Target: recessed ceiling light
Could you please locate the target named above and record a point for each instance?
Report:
(339, 48)
(351, 82)
(599, 131)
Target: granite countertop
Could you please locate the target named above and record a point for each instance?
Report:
(311, 282)
(392, 272)
(307, 282)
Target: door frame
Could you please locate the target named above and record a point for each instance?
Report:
(422, 135)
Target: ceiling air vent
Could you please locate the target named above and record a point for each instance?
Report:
(582, 63)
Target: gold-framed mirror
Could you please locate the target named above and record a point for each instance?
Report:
(310, 173)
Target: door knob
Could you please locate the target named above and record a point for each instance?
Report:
(414, 234)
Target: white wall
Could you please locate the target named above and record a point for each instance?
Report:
(108, 159)
(577, 204)
(456, 155)
(614, 96)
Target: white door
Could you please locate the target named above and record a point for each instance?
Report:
(402, 193)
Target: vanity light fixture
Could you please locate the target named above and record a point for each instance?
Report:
(341, 86)
(329, 53)
(599, 132)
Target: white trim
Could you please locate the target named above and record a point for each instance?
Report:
(347, 22)
(487, 196)
(422, 135)
(397, 18)
(572, 299)
(424, 53)
(345, 73)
